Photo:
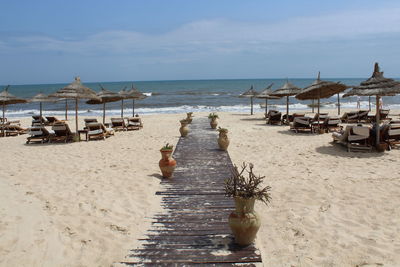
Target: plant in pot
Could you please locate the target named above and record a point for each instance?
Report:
(223, 140)
(245, 187)
(184, 130)
(167, 163)
(213, 120)
(189, 117)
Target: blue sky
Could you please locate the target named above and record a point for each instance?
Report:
(53, 41)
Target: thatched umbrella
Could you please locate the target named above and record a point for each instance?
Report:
(41, 98)
(105, 96)
(377, 86)
(321, 89)
(7, 99)
(266, 94)
(288, 89)
(135, 94)
(250, 93)
(76, 90)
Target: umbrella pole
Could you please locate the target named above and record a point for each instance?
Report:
(66, 109)
(104, 112)
(312, 106)
(251, 102)
(266, 107)
(377, 120)
(40, 114)
(369, 103)
(122, 108)
(338, 104)
(133, 107)
(4, 118)
(287, 109)
(76, 116)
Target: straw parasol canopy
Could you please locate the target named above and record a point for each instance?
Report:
(266, 94)
(288, 89)
(135, 94)
(250, 93)
(321, 89)
(377, 86)
(8, 99)
(76, 90)
(105, 96)
(42, 98)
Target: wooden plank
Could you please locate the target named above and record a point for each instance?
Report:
(193, 229)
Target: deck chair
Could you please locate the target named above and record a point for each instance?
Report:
(38, 134)
(349, 117)
(331, 124)
(13, 129)
(62, 133)
(384, 114)
(134, 122)
(342, 135)
(97, 130)
(118, 124)
(89, 120)
(320, 117)
(363, 116)
(392, 136)
(291, 117)
(302, 124)
(39, 120)
(274, 117)
(52, 120)
(359, 139)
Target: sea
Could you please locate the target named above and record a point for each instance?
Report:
(183, 96)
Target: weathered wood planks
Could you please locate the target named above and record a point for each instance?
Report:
(194, 228)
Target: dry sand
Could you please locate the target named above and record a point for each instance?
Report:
(87, 203)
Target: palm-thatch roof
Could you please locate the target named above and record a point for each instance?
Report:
(266, 93)
(249, 93)
(134, 93)
(288, 89)
(377, 85)
(7, 99)
(105, 96)
(321, 89)
(75, 90)
(42, 98)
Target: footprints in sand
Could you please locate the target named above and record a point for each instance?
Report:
(120, 229)
(324, 207)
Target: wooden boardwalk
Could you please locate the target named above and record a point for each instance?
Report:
(193, 229)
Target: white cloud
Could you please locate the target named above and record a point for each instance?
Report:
(220, 36)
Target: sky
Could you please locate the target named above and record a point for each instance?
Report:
(52, 41)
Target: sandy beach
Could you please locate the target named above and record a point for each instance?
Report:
(88, 203)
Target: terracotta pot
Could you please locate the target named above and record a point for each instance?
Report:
(214, 123)
(223, 140)
(167, 163)
(244, 221)
(184, 130)
(189, 117)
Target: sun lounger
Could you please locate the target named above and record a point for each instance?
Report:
(320, 117)
(38, 134)
(291, 117)
(118, 124)
(98, 131)
(39, 120)
(302, 124)
(134, 122)
(89, 120)
(52, 120)
(384, 114)
(350, 117)
(331, 124)
(13, 129)
(62, 133)
(392, 135)
(363, 116)
(359, 139)
(274, 117)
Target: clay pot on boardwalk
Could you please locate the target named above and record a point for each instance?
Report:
(223, 140)
(244, 221)
(189, 117)
(214, 123)
(167, 163)
(184, 130)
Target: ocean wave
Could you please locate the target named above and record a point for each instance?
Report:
(188, 108)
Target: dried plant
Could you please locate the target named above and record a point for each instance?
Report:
(213, 116)
(238, 185)
(222, 129)
(167, 147)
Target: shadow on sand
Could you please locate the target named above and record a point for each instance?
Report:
(339, 150)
